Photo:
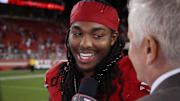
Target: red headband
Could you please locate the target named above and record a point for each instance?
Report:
(93, 11)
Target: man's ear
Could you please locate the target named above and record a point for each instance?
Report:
(150, 49)
(114, 37)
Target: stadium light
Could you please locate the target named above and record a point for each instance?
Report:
(50, 6)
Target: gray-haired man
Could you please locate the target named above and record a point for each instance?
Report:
(154, 33)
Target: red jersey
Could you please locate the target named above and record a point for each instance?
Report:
(132, 88)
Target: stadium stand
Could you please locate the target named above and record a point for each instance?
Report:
(22, 39)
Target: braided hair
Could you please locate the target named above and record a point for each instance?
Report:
(105, 72)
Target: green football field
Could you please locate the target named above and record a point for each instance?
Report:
(22, 85)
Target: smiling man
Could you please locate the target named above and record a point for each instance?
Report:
(94, 50)
(89, 43)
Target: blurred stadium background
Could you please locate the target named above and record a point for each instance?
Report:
(32, 33)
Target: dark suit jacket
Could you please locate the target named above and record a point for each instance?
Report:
(168, 90)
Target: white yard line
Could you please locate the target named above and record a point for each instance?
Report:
(25, 87)
(22, 77)
(14, 71)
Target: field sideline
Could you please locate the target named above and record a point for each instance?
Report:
(22, 85)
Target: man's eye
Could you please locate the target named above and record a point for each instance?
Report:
(97, 36)
(76, 34)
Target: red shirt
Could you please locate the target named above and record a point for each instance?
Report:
(132, 88)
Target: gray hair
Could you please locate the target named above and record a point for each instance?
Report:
(161, 19)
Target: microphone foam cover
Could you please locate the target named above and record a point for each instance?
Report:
(88, 87)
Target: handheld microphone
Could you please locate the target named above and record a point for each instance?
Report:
(87, 90)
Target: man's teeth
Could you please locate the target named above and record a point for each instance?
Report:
(86, 54)
(82, 57)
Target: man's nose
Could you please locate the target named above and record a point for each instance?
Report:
(86, 42)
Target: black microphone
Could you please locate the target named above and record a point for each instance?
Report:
(87, 90)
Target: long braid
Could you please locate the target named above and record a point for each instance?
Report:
(107, 86)
(73, 74)
(118, 73)
(57, 76)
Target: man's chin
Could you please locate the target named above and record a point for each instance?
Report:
(86, 70)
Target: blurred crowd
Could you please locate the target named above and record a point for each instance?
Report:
(25, 39)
